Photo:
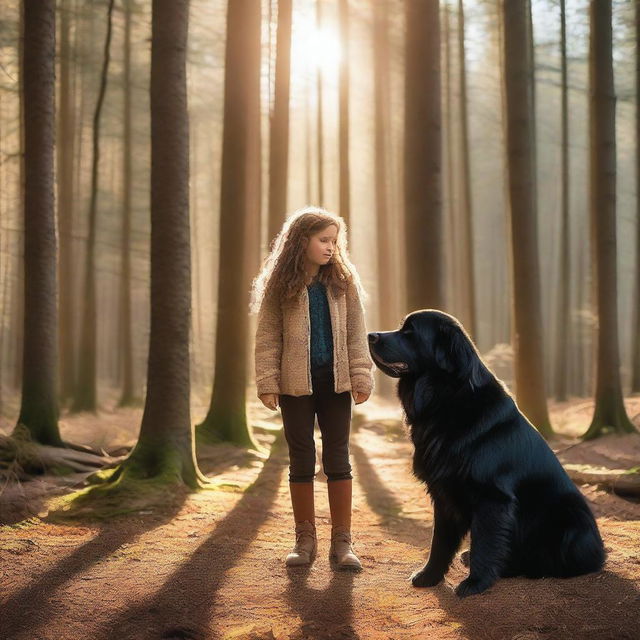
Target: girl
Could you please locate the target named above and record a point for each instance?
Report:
(311, 356)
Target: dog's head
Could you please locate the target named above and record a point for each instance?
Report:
(432, 349)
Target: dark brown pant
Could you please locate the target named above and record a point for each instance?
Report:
(334, 419)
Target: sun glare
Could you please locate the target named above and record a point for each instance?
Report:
(314, 48)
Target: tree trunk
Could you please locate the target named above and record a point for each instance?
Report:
(66, 128)
(502, 310)
(562, 338)
(279, 139)
(610, 413)
(128, 397)
(227, 419)
(635, 344)
(466, 250)
(387, 255)
(39, 407)
(86, 384)
(18, 300)
(528, 347)
(196, 319)
(165, 448)
(422, 156)
(320, 126)
(343, 116)
(450, 210)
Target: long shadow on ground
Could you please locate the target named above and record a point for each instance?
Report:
(386, 505)
(182, 608)
(34, 604)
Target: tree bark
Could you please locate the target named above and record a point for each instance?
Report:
(239, 199)
(562, 339)
(387, 255)
(343, 115)
(279, 139)
(468, 283)
(422, 156)
(528, 336)
(166, 447)
(39, 406)
(610, 413)
(128, 396)
(635, 344)
(450, 209)
(66, 132)
(86, 384)
(320, 126)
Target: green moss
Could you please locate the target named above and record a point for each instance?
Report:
(22, 524)
(152, 478)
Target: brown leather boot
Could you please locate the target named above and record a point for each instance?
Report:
(305, 549)
(341, 550)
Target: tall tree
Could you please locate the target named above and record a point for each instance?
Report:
(39, 407)
(165, 448)
(386, 254)
(635, 345)
(561, 352)
(468, 283)
(343, 112)
(610, 413)
(422, 155)
(65, 151)
(86, 384)
(450, 199)
(126, 342)
(239, 198)
(528, 342)
(320, 125)
(279, 139)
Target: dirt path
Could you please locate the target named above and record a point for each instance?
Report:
(211, 565)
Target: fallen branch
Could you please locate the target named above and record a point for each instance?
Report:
(620, 481)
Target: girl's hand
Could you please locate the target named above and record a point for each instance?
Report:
(359, 397)
(270, 400)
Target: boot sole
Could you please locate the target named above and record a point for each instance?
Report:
(312, 557)
(333, 560)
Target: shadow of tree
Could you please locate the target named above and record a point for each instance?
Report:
(196, 582)
(19, 608)
(385, 504)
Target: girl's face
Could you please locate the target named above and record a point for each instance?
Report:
(322, 245)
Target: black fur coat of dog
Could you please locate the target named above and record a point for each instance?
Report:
(487, 469)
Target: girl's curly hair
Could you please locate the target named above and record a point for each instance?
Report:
(282, 273)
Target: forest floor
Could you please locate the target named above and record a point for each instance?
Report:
(211, 565)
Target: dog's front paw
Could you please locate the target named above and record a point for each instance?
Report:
(471, 586)
(426, 578)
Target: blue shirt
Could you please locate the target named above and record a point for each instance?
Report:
(321, 334)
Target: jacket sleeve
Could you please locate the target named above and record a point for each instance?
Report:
(268, 346)
(360, 362)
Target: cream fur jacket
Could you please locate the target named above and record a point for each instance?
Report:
(283, 340)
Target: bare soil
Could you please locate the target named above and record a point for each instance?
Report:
(210, 564)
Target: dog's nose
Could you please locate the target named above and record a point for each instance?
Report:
(373, 338)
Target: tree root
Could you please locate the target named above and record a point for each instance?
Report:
(23, 458)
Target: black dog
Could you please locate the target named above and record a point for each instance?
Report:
(486, 467)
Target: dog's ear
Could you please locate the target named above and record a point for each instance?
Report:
(422, 394)
(454, 353)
